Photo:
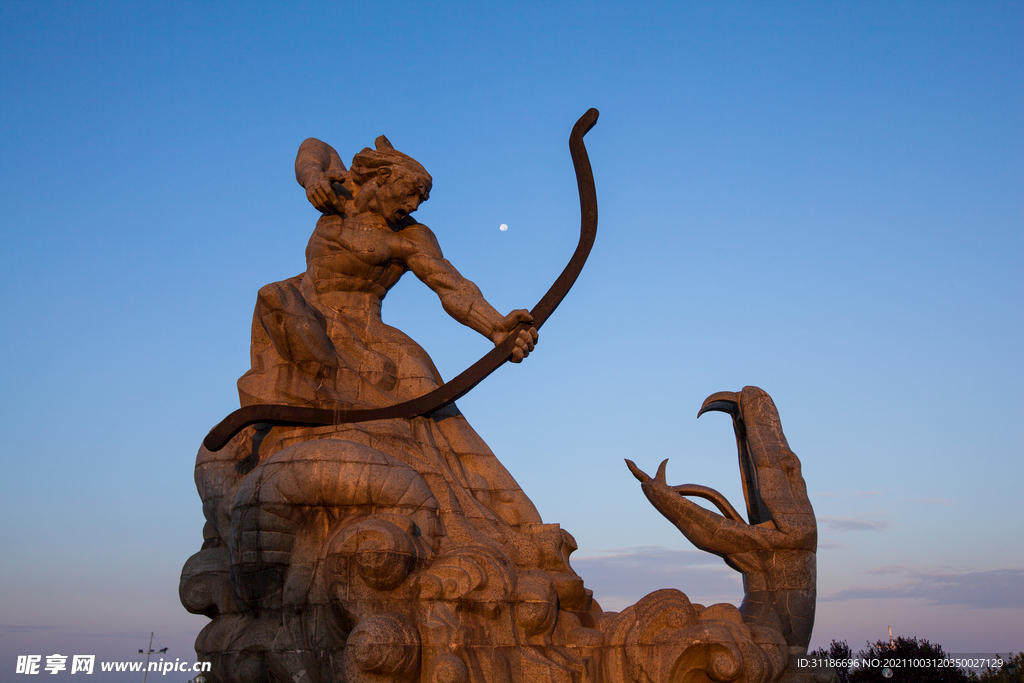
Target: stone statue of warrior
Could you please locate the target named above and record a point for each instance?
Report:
(318, 338)
(415, 514)
(400, 549)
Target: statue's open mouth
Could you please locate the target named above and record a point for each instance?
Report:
(774, 547)
(725, 402)
(729, 402)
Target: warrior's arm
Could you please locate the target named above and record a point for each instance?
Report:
(460, 297)
(316, 165)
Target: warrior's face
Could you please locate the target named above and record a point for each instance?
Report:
(399, 193)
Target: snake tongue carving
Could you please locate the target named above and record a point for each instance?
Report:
(775, 549)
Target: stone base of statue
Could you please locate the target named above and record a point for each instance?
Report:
(400, 549)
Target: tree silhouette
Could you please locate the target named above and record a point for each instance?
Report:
(837, 650)
(1010, 672)
(904, 651)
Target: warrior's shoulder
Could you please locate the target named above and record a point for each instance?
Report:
(419, 235)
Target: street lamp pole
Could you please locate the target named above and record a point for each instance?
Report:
(149, 651)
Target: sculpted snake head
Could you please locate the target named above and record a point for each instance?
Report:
(774, 547)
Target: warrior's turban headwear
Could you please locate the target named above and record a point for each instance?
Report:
(365, 163)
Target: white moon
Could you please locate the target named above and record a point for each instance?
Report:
(503, 227)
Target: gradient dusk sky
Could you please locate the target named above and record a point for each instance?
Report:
(825, 200)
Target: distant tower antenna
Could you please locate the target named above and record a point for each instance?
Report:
(149, 651)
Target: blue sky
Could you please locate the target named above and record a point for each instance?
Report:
(821, 199)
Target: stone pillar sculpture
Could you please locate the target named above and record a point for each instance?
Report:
(340, 548)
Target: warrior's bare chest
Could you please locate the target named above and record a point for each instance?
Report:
(372, 245)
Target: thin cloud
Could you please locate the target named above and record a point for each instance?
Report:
(891, 569)
(847, 494)
(621, 576)
(108, 634)
(831, 545)
(975, 589)
(935, 501)
(23, 629)
(856, 523)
